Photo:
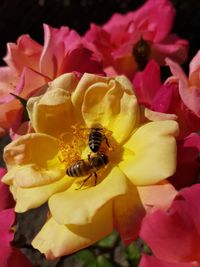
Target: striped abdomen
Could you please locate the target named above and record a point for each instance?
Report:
(95, 140)
(80, 168)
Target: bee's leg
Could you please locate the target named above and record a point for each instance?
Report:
(84, 181)
(107, 143)
(95, 179)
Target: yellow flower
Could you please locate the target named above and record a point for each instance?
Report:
(141, 157)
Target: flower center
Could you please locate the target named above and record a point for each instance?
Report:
(87, 152)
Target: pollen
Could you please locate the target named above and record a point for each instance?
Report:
(71, 145)
(74, 145)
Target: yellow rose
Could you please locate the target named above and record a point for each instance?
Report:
(141, 157)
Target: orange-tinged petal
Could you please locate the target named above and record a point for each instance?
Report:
(8, 81)
(150, 153)
(80, 206)
(158, 196)
(25, 53)
(158, 116)
(34, 148)
(29, 198)
(55, 240)
(128, 214)
(52, 113)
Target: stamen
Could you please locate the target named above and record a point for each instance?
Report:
(71, 145)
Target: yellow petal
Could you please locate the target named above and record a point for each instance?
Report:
(52, 113)
(128, 214)
(158, 196)
(109, 102)
(79, 206)
(34, 148)
(66, 81)
(150, 153)
(28, 198)
(31, 175)
(55, 240)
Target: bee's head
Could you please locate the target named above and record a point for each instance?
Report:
(97, 127)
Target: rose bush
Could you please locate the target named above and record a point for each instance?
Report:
(126, 42)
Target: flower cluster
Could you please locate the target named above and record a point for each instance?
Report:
(99, 136)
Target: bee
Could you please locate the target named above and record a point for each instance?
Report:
(96, 137)
(90, 166)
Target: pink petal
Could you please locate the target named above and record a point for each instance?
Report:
(194, 76)
(158, 196)
(168, 100)
(163, 99)
(7, 218)
(117, 20)
(176, 70)
(30, 81)
(190, 97)
(91, 63)
(188, 165)
(57, 42)
(102, 43)
(147, 83)
(11, 110)
(53, 50)
(178, 227)
(16, 259)
(156, 17)
(172, 46)
(25, 53)
(10, 256)
(6, 197)
(151, 261)
(8, 80)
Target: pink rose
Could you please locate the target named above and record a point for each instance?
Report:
(151, 261)
(189, 87)
(173, 235)
(9, 255)
(127, 42)
(164, 98)
(6, 200)
(31, 66)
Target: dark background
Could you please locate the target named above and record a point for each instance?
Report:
(26, 16)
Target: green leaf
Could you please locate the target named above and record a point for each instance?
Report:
(103, 262)
(146, 250)
(23, 101)
(86, 257)
(133, 252)
(109, 240)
